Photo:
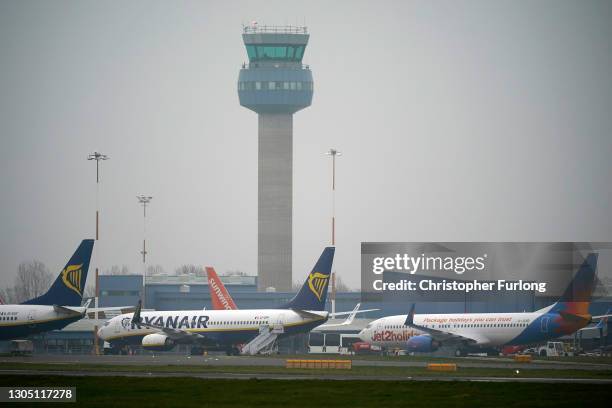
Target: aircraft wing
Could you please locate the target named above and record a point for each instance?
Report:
(442, 336)
(178, 334)
(334, 315)
(348, 320)
(174, 334)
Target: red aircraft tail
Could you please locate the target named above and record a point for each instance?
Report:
(221, 299)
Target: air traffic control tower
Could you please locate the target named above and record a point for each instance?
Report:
(275, 85)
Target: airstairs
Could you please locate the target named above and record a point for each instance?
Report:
(264, 340)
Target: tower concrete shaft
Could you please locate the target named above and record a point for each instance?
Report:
(275, 199)
(275, 84)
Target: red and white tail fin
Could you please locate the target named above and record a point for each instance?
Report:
(221, 299)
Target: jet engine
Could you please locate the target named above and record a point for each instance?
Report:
(157, 342)
(422, 344)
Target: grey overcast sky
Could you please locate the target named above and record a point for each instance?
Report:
(458, 120)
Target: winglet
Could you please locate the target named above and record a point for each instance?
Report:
(86, 305)
(136, 317)
(351, 317)
(410, 318)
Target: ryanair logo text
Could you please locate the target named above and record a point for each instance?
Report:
(175, 322)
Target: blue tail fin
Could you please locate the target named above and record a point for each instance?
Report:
(67, 290)
(577, 296)
(313, 293)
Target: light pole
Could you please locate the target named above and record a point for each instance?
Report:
(144, 200)
(333, 153)
(97, 156)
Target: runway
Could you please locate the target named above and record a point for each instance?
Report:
(268, 376)
(279, 361)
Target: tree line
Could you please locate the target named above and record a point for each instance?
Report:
(33, 279)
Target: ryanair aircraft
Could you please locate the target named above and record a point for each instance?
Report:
(55, 309)
(473, 331)
(226, 329)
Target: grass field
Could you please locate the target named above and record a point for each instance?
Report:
(370, 371)
(189, 392)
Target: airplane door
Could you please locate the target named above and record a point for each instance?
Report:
(544, 324)
(279, 324)
(31, 318)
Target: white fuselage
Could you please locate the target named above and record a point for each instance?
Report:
(487, 329)
(221, 325)
(21, 320)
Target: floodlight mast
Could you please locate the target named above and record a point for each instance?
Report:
(97, 156)
(144, 200)
(333, 153)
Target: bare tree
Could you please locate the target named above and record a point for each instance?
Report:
(116, 270)
(189, 270)
(32, 280)
(234, 273)
(155, 270)
(8, 295)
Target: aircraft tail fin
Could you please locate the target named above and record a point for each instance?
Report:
(68, 288)
(221, 299)
(577, 297)
(410, 316)
(313, 294)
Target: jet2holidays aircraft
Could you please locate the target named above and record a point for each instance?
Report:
(428, 332)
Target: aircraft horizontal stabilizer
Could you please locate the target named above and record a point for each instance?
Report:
(67, 310)
(574, 317)
(308, 315)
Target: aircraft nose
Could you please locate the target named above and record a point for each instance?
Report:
(101, 333)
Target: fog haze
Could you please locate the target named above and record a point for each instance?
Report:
(457, 120)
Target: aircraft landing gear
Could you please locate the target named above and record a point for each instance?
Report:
(232, 351)
(196, 351)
